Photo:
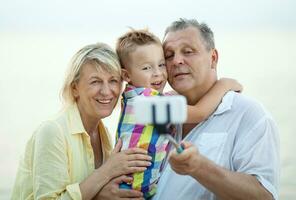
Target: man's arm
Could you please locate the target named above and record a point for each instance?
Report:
(222, 182)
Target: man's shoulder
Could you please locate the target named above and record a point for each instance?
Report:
(248, 105)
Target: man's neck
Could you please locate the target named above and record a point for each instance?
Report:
(193, 96)
(187, 128)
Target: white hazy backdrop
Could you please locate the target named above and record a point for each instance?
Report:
(255, 39)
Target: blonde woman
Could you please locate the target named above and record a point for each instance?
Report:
(69, 156)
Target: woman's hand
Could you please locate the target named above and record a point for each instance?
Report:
(111, 190)
(126, 162)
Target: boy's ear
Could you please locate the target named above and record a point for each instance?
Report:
(125, 75)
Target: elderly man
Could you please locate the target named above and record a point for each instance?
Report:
(234, 154)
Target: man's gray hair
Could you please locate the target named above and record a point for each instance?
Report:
(205, 31)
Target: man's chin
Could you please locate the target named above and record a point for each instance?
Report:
(180, 87)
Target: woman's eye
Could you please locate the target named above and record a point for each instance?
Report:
(94, 82)
(114, 81)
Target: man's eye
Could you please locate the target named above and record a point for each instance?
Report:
(188, 51)
(168, 56)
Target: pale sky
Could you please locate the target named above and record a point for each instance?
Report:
(110, 15)
(255, 38)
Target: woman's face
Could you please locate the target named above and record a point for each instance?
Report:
(96, 92)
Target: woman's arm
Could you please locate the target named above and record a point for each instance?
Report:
(209, 102)
(51, 178)
(120, 163)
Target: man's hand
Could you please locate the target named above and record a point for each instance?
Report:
(111, 191)
(186, 162)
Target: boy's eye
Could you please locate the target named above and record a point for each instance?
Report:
(146, 68)
(161, 65)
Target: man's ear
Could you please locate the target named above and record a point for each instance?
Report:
(125, 75)
(214, 58)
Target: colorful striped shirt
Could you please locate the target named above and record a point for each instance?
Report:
(142, 136)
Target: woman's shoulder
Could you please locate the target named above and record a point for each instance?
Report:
(54, 127)
(48, 129)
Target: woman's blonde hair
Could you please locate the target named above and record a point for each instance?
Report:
(101, 54)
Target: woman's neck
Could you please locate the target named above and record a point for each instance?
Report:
(90, 123)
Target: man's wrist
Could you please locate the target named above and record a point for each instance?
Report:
(199, 166)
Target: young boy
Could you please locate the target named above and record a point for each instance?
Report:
(143, 68)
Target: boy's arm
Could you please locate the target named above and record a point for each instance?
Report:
(209, 102)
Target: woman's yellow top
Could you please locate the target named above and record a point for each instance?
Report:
(57, 158)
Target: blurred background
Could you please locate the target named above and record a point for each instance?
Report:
(256, 42)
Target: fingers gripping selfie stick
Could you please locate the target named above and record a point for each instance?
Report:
(161, 111)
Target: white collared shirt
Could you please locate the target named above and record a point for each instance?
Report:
(240, 136)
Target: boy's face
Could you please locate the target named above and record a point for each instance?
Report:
(145, 67)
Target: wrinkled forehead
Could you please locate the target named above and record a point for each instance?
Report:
(97, 70)
(104, 68)
(184, 37)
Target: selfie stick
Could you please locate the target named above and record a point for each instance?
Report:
(162, 128)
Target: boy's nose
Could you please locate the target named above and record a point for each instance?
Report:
(156, 72)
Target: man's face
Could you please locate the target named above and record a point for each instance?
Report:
(190, 66)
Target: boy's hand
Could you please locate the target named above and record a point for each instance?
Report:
(230, 84)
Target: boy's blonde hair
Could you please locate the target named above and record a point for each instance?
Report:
(128, 43)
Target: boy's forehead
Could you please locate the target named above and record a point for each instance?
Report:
(146, 53)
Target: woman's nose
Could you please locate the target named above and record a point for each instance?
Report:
(105, 89)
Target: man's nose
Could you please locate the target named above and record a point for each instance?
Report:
(178, 60)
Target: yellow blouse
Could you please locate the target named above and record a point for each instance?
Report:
(57, 158)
